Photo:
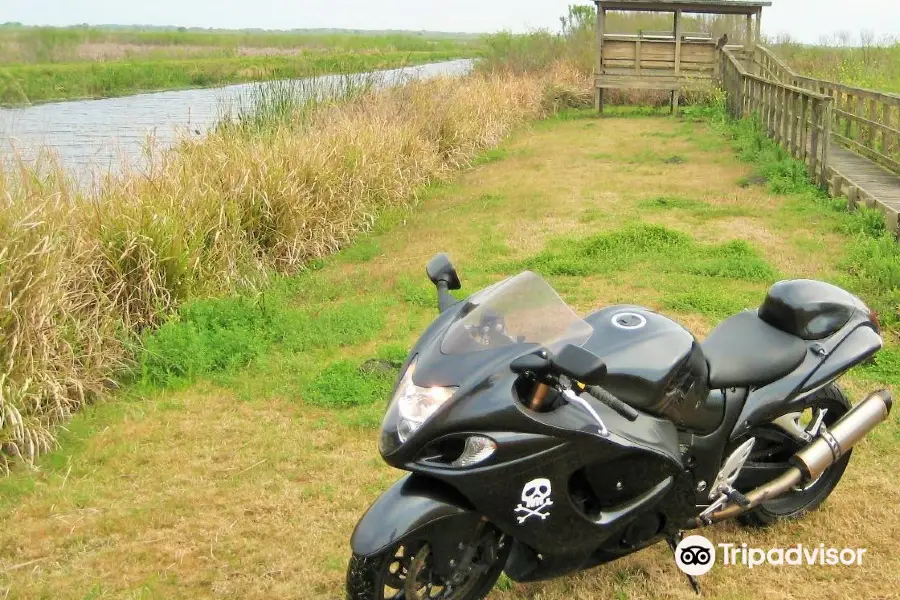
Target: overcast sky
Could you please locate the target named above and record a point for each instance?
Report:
(803, 19)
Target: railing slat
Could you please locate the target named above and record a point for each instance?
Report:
(804, 128)
(888, 136)
(814, 142)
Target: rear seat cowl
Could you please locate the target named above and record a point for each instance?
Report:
(810, 310)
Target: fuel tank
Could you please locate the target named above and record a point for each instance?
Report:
(655, 365)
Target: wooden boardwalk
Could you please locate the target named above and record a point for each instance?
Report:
(864, 181)
(848, 137)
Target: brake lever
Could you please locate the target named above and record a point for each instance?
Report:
(577, 400)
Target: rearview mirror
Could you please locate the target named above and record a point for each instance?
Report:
(441, 269)
(531, 363)
(581, 365)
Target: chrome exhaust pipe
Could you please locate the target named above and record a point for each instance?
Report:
(810, 463)
(837, 440)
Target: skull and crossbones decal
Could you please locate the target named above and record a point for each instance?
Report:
(535, 500)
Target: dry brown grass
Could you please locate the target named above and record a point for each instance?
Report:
(208, 494)
(81, 275)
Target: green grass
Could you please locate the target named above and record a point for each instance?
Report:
(696, 209)
(29, 84)
(219, 336)
(61, 44)
(346, 383)
(650, 247)
(871, 263)
(715, 302)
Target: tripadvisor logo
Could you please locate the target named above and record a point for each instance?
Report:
(696, 555)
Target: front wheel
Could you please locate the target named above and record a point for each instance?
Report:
(406, 571)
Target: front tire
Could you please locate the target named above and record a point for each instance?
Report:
(796, 504)
(403, 572)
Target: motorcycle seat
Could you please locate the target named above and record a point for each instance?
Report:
(745, 351)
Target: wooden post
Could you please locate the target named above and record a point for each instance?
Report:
(852, 198)
(887, 138)
(677, 33)
(748, 41)
(759, 27)
(795, 148)
(892, 218)
(848, 108)
(745, 96)
(601, 31)
(804, 128)
(752, 101)
(836, 95)
(826, 137)
(860, 112)
(873, 116)
(779, 114)
(814, 139)
(834, 185)
(638, 53)
(786, 119)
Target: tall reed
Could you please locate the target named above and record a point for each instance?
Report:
(290, 179)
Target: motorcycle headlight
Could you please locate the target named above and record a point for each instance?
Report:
(417, 404)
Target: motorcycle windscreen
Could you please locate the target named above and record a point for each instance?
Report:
(520, 310)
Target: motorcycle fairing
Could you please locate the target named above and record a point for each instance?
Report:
(825, 361)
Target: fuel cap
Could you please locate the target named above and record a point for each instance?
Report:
(629, 320)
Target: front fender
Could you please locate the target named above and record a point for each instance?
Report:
(410, 506)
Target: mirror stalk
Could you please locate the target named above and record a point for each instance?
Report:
(445, 298)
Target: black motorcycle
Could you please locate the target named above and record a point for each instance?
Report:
(541, 444)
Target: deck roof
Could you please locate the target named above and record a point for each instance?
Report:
(718, 7)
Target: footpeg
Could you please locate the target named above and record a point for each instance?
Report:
(727, 495)
(738, 498)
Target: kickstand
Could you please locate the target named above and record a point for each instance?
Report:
(673, 544)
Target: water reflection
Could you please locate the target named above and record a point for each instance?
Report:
(95, 136)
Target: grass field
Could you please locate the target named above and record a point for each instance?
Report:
(289, 178)
(31, 45)
(864, 64)
(240, 461)
(41, 64)
(29, 84)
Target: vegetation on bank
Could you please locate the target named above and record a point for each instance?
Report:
(30, 84)
(275, 187)
(33, 45)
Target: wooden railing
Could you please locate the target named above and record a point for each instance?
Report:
(797, 118)
(865, 121)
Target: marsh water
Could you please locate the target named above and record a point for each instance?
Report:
(93, 137)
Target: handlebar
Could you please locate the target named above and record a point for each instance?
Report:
(614, 403)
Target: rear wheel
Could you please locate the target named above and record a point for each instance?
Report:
(406, 571)
(774, 447)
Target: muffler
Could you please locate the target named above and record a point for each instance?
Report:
(810, 463)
